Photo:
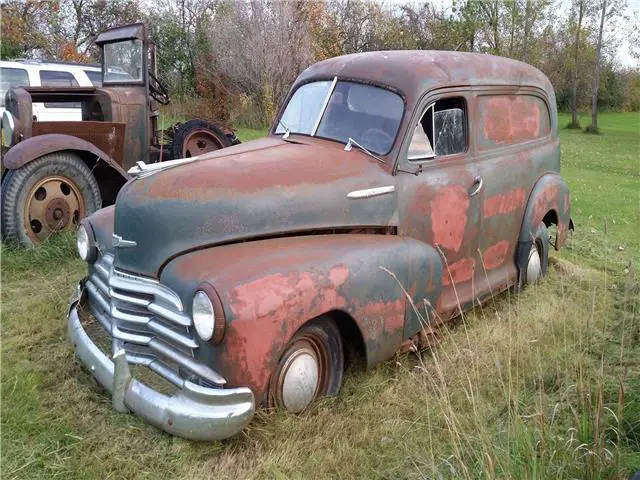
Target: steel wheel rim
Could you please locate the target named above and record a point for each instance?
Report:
(303, 375)
(534, 265)
(53, 204)
(199, 142)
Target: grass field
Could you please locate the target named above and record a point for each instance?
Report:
(545, 384)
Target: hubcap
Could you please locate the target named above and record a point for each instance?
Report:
(53, 204)
(300, 380)
(534, 268)
(199, 142)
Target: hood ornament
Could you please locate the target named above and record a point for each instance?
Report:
(118, 241)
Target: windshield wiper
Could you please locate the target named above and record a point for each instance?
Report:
(287, 132)
(352, 142)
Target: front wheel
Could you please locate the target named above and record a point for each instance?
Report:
(311, 367)
(46, 196)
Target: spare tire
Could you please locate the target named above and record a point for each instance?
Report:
(197, 137)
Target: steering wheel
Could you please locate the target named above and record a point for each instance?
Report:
(158, 90)
(377, 139)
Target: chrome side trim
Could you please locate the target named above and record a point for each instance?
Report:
(118, 242)
(371, 192)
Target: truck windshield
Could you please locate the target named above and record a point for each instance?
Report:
(339, 110)
(123, 62)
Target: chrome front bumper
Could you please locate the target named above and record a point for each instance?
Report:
(195, 412)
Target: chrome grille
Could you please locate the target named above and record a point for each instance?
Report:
(148, 321)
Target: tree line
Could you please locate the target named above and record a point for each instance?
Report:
(235, 60)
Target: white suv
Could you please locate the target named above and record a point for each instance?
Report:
(34, 73)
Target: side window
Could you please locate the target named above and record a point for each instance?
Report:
(12, 77)
(442, 130)
(51, 78)
(95, 77)
(511, 119)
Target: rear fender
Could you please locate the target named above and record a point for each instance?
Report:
(109, 175)
(550, 194)
(270, 288)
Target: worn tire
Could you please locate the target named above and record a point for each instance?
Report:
(214, 137)
(320, 338)
(540, 247)
(17, 185)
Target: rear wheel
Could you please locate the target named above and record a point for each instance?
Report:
(47, 196)
(197, 137)
(538, 257)
(311, 367)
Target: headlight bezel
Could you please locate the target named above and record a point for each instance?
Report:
(219, 322)
(91, 242)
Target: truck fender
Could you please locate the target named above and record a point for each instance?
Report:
(108, 173)
(270, 288)
(549, 202)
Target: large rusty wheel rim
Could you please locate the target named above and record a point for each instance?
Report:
(302, 374)
(198, 142)
(53, 204)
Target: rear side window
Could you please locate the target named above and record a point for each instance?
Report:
(12, 77)
(512, 119)
(51, 78)
(95, 77)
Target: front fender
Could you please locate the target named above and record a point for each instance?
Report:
(35, 147)
(270, 288)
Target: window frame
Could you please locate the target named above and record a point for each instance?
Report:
(145, 63)
(431, 105)
(493, 91)
(336, 79)
(65, 105)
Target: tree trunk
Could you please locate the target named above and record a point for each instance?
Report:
(527, 27)
(574, 79)
(596, 74)
(514, 9)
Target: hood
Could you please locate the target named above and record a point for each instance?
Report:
(262, 188)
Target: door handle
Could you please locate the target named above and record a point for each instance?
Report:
(476, 187)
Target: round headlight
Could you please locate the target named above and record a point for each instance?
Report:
(204, 318)
(85, 243)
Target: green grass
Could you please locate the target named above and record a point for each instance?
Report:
(545, 384)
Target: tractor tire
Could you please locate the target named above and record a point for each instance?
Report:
(196, 137)
(46, 196)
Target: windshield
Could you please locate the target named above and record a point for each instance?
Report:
(341, 110)
(123, 62)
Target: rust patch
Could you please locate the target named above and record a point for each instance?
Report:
(449, 216)
(547, 199)
(504, 203)
(274, 307)
(460, 271)
(509, 119)
(495, 255)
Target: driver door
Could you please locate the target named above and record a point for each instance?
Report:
(440, 202)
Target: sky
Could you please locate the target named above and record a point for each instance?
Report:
(633, 6)
(623, 55)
